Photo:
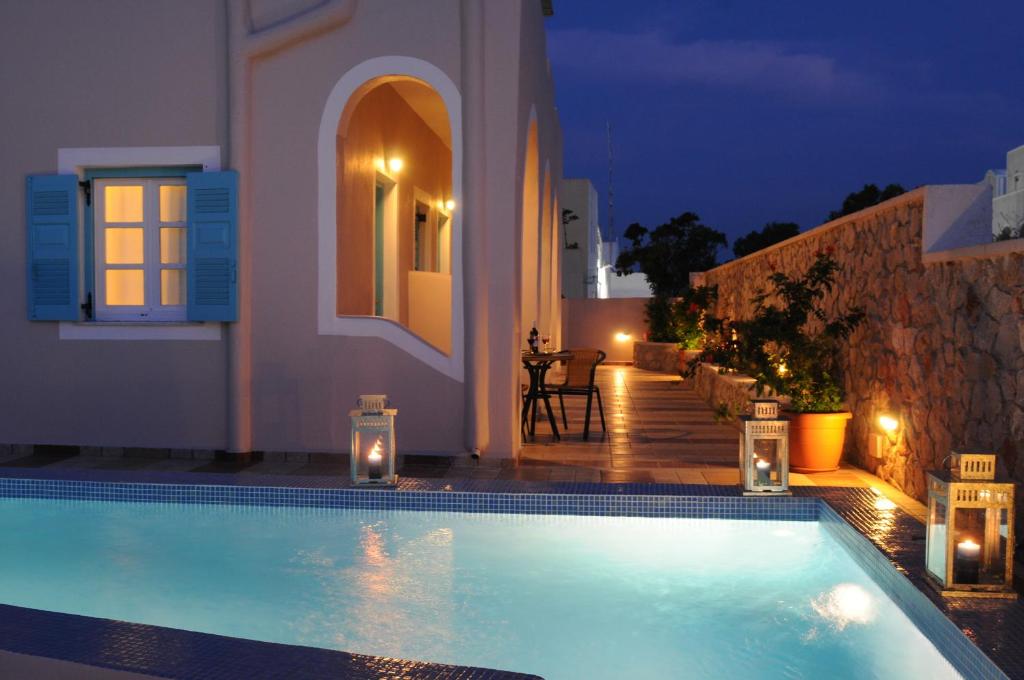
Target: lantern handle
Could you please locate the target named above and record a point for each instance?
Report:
(363, 405)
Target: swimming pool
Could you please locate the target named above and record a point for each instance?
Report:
(559, 596)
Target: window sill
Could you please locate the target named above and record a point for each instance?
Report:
(139, 330)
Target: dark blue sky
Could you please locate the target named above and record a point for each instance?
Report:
(750, 112)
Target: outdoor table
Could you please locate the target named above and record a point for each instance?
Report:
(537, 365)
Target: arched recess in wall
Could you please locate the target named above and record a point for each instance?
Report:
(528, 298)
(555, 273)
(545, 255)
(389, 157)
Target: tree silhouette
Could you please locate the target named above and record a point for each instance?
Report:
(865, 198)
(770, 234)
(668, 253)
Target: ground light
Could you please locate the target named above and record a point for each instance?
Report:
(885, 438)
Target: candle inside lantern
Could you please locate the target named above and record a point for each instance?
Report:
(968, 559)
(764, 472)
(375, 461)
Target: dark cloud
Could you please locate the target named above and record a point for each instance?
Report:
(750, 65)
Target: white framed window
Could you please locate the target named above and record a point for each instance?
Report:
(140, 249)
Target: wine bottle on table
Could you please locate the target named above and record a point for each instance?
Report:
(534, 340)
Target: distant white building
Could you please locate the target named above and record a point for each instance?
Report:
(1008, 194)
(588, 261)
(581, 240)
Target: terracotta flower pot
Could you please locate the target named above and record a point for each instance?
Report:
(816, 441)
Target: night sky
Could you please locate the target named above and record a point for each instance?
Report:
(750, 112)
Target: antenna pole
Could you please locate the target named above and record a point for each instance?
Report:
(611, 190)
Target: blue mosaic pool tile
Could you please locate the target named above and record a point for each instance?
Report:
(185, 655)
(645, 502)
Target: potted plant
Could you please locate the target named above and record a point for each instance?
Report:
(791, 346)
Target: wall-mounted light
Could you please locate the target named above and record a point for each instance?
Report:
(622, 336)
(395, 164)
(449, 205)
(889, 427)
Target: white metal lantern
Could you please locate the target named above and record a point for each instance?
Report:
(373, 441)
(970, 529)
(764, 450)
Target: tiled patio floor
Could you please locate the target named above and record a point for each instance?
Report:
(659, 431)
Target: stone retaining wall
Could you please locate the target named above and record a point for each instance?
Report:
(662, 357)
(729, 391)
(942, 346)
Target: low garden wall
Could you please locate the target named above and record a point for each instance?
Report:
(662, 357)
(727, 393)
(942, 345)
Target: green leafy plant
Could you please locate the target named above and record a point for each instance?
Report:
(791, 345)
(658, 312)
(721, 347)
(680, 320)
(690, 312)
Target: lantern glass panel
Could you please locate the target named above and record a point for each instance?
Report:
(936, 561)
(373, 461)
(766, 451)
(979, 551)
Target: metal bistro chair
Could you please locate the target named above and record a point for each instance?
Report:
(579, 381)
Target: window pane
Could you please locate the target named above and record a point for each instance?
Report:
(123, 203)
(172, 245)
(123, 246)
(172, 286)
(126, 287)
(172, 203)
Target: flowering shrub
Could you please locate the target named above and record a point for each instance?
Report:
(680, 320)
(690, 312)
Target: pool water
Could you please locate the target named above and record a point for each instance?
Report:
(559, 596)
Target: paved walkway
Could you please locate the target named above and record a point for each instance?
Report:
(658, 431)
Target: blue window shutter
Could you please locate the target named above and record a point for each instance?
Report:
(51, 211)
(213, 246)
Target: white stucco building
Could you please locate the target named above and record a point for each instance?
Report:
(1008, 194)
(225, 219)
(581, 240)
